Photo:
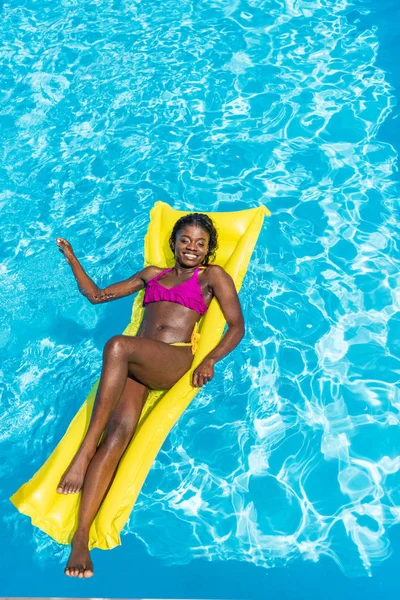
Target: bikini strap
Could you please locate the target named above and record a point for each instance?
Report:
(162, 273)
(196, 273)
(155, 278)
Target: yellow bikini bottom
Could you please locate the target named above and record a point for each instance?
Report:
(193, 340)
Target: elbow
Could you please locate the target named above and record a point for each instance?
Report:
(94, 298)
(239, 330)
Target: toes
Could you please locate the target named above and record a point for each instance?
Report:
(69, 488)
(61, 487)
(72, 488)
(80, 572)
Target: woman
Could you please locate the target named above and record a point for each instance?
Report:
(156, 358)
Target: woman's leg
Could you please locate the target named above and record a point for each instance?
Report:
(101, 470)
(155, 364)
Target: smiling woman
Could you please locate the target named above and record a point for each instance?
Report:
(155, 358)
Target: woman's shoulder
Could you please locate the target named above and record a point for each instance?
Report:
(212, 267)
(212, 272)
(154, 269)
(150, 272)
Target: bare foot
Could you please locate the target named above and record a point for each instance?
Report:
(79, 563)
(72, 480)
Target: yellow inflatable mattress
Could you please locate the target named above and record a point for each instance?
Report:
(56, 514)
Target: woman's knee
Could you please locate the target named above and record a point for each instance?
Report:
(115, 346)
(118, 434)
(118, 346)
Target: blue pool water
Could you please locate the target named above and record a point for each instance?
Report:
(282, 479)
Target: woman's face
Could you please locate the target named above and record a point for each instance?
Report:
(191, 245)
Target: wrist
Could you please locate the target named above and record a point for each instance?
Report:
(72, 260)
(210, 359)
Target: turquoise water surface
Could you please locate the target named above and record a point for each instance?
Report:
(282, 479)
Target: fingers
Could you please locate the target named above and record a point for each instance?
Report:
(200, 379)
(203, 374)
(61, 242)
(65, 248)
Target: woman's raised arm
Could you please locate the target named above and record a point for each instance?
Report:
(118, 290)
(91, 291)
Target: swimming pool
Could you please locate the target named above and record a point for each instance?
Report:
(283, 475)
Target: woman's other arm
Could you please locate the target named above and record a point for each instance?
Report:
(224, 291)
(91, 291)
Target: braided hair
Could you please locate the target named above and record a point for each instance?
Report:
(199, 220)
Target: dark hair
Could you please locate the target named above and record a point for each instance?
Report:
(199, 220)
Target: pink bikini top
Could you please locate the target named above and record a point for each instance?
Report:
(188, 293)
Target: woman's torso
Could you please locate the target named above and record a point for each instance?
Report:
(170, 321)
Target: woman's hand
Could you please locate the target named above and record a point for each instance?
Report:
(65, 248)
(203, 373)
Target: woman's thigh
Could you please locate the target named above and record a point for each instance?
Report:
(156, 365)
